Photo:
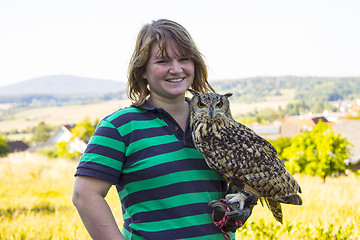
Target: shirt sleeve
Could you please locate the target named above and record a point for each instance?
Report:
(104, 155)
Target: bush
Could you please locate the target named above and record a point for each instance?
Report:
(319, 152)
(63, 150)
(4, 146)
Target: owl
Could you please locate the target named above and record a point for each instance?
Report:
(236, 152)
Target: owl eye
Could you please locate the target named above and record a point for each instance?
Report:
(219, 105)
(200, 104)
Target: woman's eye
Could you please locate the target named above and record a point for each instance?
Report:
(201, 105)
(161, 61)
(219, 104)
(184, 59)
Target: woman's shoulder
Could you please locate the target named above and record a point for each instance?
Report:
(123, 111)
(125, 114)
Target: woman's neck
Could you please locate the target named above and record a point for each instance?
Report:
(172, 106)
(177, 108)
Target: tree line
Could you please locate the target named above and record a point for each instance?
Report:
(311, 93)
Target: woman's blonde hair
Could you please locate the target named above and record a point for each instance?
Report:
(160, 32)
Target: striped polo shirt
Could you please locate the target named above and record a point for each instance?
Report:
(163, 182)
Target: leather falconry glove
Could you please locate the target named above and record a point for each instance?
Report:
(229, 217)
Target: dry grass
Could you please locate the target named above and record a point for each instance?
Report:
(35, 203)
(35, 200)
(330, 210)
(61, 115)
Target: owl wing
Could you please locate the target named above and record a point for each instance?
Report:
(257, 165)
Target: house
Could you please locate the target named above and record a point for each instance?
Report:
(268, 131)
(18, 146)
(334, 116)
(290, 127)
(63, 134)
(351, 130)
(294, 125)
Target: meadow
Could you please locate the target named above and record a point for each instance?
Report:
(35, 203)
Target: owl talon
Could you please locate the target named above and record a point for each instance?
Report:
(236, 200)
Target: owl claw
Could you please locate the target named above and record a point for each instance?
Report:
(241, 205)
(237, 200)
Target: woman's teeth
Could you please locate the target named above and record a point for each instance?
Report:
(175, 80)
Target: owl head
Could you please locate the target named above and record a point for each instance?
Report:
(210, 106)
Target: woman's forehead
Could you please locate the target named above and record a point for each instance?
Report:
(167, 48)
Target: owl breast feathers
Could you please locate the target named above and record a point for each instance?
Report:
(237, 153)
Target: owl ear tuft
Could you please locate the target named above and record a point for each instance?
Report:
(193, 92)
(227, 95)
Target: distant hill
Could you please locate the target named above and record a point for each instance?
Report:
(62, 85)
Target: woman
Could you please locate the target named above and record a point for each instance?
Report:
(146, 150)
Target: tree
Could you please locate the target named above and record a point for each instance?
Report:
(4, 146)
(83, 130)
(318, 152)
(42, 133)
(280, 144)
(63, 149)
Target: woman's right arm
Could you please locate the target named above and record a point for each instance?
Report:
(89, 199)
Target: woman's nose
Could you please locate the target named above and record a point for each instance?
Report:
(175, 67)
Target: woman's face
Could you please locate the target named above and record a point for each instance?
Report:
(168, 76)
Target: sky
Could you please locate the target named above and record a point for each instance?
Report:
(238, 38)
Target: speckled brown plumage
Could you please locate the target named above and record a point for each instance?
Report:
(239, 154)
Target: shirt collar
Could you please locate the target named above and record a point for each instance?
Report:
(187, 137)
(146, 106)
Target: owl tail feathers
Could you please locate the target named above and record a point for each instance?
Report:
(275, 208)
(293, 199)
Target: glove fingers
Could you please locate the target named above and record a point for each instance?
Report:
(219, 210)
(236, 216)
(240, 215)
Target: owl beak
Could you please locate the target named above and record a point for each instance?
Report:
(211, 112)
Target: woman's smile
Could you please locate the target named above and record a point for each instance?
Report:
(175, 80)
